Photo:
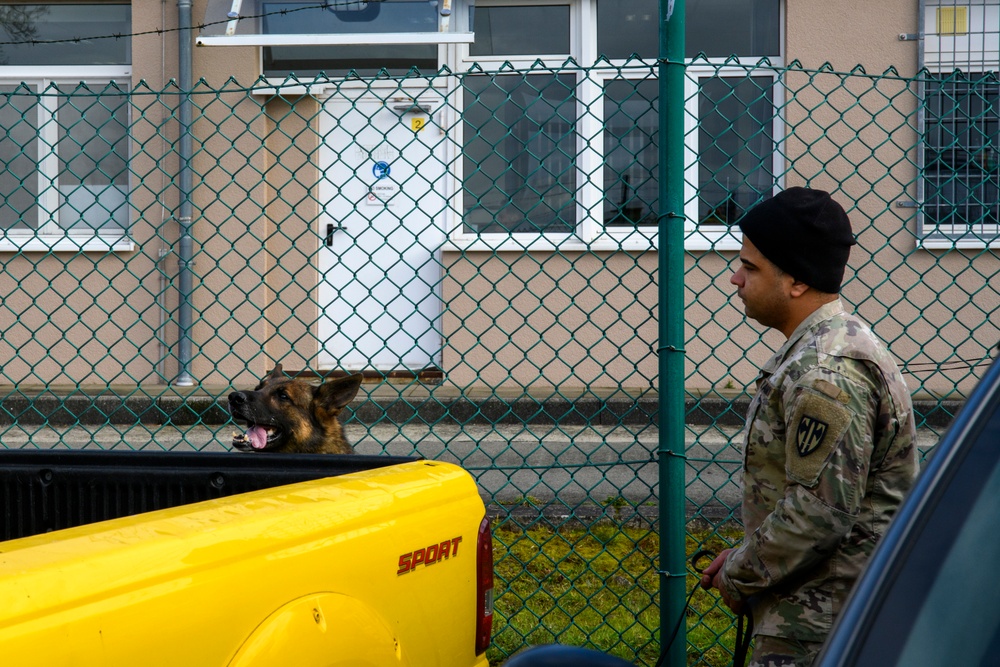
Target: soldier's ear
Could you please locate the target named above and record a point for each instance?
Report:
(275, 375)
(335, 394)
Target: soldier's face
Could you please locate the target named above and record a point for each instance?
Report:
(763, 287)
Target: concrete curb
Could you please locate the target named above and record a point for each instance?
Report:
(76, 409)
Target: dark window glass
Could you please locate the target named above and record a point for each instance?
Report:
(304, 18)
(736, 149)
(717, 28)
(962, 159)
(505, 31)
(364, 60)
(520, 153)
(631, 190)
(289, 18)
(93, 154)
(86, 29)
(18, 158)
(736, 146)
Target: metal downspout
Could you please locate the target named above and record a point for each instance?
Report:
(185, 250)
(922, 78)
(673, 563)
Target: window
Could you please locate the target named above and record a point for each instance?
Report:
(339, 60)
(373, 23)
(962, 156)
(569, 154)
(63, 142)
(511, 31)
(520, 141)
(520, 154)
(735, 146)
(750, 28)
(959, 191)
(631, 152)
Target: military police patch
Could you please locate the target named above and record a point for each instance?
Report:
(810, 434)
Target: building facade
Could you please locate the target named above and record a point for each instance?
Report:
(483, 209)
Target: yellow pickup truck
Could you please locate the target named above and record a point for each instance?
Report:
(181, 560)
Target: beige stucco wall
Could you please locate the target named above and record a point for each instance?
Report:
(251, 212)
(543, 319)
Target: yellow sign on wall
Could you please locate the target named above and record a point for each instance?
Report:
(953, 20)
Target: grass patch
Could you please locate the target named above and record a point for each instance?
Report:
(597, 586)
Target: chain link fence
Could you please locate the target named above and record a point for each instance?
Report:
(483, 246)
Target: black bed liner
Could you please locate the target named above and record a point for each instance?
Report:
(45, 490)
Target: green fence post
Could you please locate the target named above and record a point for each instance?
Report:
(671, 331)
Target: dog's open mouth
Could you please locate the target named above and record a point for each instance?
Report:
(257, 437)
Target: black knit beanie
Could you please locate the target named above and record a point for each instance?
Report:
(805, 233)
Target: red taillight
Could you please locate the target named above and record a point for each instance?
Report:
(484, 586)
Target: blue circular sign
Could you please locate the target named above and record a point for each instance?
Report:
(381, 170)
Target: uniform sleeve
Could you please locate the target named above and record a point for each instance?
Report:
(828, 445)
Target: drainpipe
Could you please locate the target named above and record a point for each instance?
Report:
(185, 249)
(673, 563)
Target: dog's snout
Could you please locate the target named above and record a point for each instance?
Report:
(238, 398)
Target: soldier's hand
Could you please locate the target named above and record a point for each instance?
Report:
(709, 573)
(711, 577)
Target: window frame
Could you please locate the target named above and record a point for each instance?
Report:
(972, 51)
(933, 235)
(49, 234)
(457, 236)
(700, 237)
(591, 232)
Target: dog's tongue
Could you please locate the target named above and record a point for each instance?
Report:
(258, 437)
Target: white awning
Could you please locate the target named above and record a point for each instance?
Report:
(318, 23)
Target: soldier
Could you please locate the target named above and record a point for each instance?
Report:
(830, 445)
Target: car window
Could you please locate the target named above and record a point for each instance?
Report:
(941, 607)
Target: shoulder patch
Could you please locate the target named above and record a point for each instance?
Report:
(818, 422)
(810, 434)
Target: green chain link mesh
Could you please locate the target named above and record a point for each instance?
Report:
(545, 386)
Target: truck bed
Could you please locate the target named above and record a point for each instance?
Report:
(384, 565)
(46, 490)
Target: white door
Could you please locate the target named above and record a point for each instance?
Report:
(383, 191)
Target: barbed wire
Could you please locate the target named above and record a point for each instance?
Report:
(165, 31)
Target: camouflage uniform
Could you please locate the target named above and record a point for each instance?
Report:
(829, 455)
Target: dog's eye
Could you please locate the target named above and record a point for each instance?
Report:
(283, 395)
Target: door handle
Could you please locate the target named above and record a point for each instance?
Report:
(330, 229)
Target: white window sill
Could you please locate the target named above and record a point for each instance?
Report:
(938, 243)
(536, 244)
(68, 243)
(634, 241)
(957, 237)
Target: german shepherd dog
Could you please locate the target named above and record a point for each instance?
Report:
(289, 416)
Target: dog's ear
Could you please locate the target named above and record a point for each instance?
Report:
(275, 374)
(335, 394)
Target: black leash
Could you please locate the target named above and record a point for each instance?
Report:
(743, 637)
(744, 623)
